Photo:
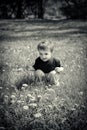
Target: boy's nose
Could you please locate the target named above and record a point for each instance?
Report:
(43, 56)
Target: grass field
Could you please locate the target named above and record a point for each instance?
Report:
(37, 107)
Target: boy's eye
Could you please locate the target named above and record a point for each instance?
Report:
(46, 54)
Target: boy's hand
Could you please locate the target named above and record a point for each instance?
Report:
(59, 69)
(53, 72)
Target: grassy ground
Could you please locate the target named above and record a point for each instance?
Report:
(37, 107)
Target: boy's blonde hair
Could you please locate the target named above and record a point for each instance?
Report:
(45, 45)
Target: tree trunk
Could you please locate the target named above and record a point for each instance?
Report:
(19, 13)
(40, 9)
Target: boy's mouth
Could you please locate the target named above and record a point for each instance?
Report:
(44, 59)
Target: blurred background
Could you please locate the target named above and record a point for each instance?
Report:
(43, 9)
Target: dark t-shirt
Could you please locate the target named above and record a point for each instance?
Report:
(47, 66)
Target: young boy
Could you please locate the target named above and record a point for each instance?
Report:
(46, 66)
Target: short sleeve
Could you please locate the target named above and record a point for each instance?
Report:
(35, 66)
(57, 63)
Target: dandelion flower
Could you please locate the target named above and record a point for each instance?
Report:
(21, 96)
(36, 91)
(29, 95)
(37, 115)
(25, 85)
(23, 88)
(50, 106)
(12, 101)
(25, 107)
(19, 101)
(13, 96)
(32, 99)
(39, 97)
(6, 96)
(0, 87)
(81, 93)
(33, 105)
(50, 91)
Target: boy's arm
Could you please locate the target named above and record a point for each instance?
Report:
(59, 69)
(31, 68)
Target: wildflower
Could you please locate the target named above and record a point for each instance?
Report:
(81, 93)
(23, 88)
(36, 91)
(73, 109)
(45, 98)
(20, 69)
(50, 94)
(64, 119)
(21, 96)
(37, 115)
(19, 101)
(50, 106)
(76, 105)
(13, 96)
(0, 87)
(25, 107)
(6, 98)
(12, 101)
(50, 91)
(24, 85)
(29, 95)
(28, 47)
(39, 97)
(32, 99)
(33, 105)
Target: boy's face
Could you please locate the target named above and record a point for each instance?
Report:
(45, 55)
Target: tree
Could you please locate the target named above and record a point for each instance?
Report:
(16, 8)
(19, 9)
(40, 9)
(74, 8)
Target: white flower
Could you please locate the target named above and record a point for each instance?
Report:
(21, 96)
(25, 107)
(50, 91)
(5, 96)
(36, 91)
(23, 88)
(32, 99)
(25, 85)
(12, 101)
(39, 97)
(13, 96)
(37, 115)
(33, 105)
(29, 95)
(50, 106)
(81, 93)
(0, 87)
(19, 101)
(20, 69)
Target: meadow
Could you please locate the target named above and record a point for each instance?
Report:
(25, 105)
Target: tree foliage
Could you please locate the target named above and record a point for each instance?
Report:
(21, 8)
(24, 8)
(74, 8)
